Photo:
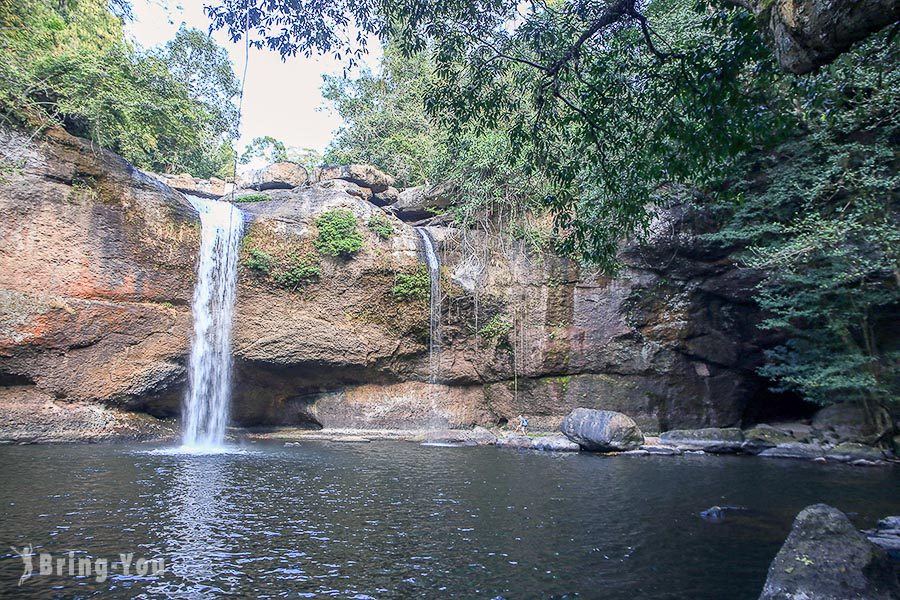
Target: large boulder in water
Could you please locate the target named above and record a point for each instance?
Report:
(602, 430)
(826, 558)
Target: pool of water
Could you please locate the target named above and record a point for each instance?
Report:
(394, 519)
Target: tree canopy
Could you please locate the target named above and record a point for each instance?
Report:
(168, 109)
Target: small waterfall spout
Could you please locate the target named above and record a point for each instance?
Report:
(207, 401)
(434, 322)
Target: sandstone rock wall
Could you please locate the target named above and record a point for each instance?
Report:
(96, 275)
(97, 272)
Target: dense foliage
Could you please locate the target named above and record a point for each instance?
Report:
(381, 226)
(169, 109)
(820, 218)
(385, 122)
(266, 150)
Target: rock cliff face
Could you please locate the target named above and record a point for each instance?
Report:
(807, 34)
(96, 276)
(97, 273)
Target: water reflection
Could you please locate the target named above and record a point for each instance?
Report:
(396, 520)
(196, 528)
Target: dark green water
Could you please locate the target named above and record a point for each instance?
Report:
(388, 520)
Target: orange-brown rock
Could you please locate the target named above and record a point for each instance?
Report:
(96, 275)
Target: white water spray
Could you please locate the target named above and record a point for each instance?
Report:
(205, 411)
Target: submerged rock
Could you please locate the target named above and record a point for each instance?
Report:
(602, 430)
(661, 450)
(762, 437)
(826, 558)
(554, 443)
(711, 439)
(849, 452)
(794, 450)
(514, 441)
(716, 514)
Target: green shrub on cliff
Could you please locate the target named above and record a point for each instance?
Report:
(300, 271)
(412, 286)
(498, 327)
(381, 226)
(252, 198)
(338, 233)
(290, 274)
(259, 261)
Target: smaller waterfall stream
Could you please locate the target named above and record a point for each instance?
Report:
(437, 421)
(206, 404)
(434, 322)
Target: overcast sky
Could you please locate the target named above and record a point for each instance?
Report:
(281, 99)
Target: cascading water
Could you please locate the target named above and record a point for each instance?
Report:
(206, 404)
(434, 323)
(437, 421)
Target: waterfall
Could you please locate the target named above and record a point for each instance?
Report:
(434, 321)
(207, 401)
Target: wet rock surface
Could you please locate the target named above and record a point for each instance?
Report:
(554, 443)
(794, 450)
(514, 441)
(886, 535)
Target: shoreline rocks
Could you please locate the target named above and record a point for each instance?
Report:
(554, 443)
(711, 439)
(794, 450)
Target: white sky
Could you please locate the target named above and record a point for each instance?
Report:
(281, 99)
